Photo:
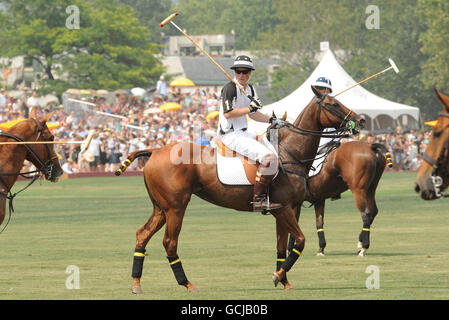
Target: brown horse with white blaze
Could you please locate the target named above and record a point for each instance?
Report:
(432, 177)
(356, 166)
(170, 185)
(12, 156)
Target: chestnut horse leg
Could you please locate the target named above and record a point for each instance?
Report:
(143, 235)
(366, 204)
(319, 214)
(281, 253)
(286, 223)
(174, 219)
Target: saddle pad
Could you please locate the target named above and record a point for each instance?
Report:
(318, 165)
(230, 170)
(325, 147)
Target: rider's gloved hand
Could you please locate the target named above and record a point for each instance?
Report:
(254, 105)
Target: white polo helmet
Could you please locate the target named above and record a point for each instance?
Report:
(323, 82)
(243, 62)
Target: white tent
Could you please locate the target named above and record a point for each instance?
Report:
(380, 114)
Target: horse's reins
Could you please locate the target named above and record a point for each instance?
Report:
(439, 165)
(337, 133)
(45, 168)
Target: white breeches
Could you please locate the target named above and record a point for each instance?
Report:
(245, 143)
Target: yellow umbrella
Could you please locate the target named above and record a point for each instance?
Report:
(212, 115)
(102, 92)
(170, 106)
(431, 123)
(7, 125)
(182, 82)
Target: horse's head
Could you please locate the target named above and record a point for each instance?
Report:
(43, 156)
(331, 113)
(433, 174)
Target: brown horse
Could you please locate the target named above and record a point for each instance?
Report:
(433, 173)
(170, 185)
(354, 165)
(12, 156)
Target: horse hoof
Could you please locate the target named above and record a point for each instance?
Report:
(276, 278)
(288, 286)
(320, 254)
(136, 290)
(192, 288)
(362, 253)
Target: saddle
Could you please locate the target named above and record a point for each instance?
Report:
(234, 168)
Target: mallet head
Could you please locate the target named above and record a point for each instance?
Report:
(395, 68)
(168, 19)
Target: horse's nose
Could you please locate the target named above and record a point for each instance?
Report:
(56, 174)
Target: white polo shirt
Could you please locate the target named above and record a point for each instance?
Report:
(233, 98)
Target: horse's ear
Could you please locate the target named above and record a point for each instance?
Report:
(443, 98)
(284, 117)
(273, 115)
(316, 92)
(47, 117)
(33, 113)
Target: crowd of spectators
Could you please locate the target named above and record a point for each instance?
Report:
(132, 123)
(406, 148)
(121, 126)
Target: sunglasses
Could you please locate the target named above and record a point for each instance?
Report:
(242, 71)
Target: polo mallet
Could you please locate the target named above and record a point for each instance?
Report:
(87, 142)
(392, 66)
(170, 18)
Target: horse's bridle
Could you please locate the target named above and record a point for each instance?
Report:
(45, 168)
(439, 165)
(332, 111)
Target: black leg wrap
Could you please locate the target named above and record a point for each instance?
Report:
(321, 239)
(176, 266)
(139, 256)
(291, 259)
(281, 258)
(364, 237)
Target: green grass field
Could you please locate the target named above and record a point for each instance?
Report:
(91, 223)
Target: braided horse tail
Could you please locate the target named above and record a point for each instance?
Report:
(383, 151)
(131, 158)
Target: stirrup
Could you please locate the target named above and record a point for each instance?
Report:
(263, 205)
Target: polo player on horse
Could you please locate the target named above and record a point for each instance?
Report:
(234, 109)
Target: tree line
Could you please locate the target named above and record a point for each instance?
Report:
(116, 43)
